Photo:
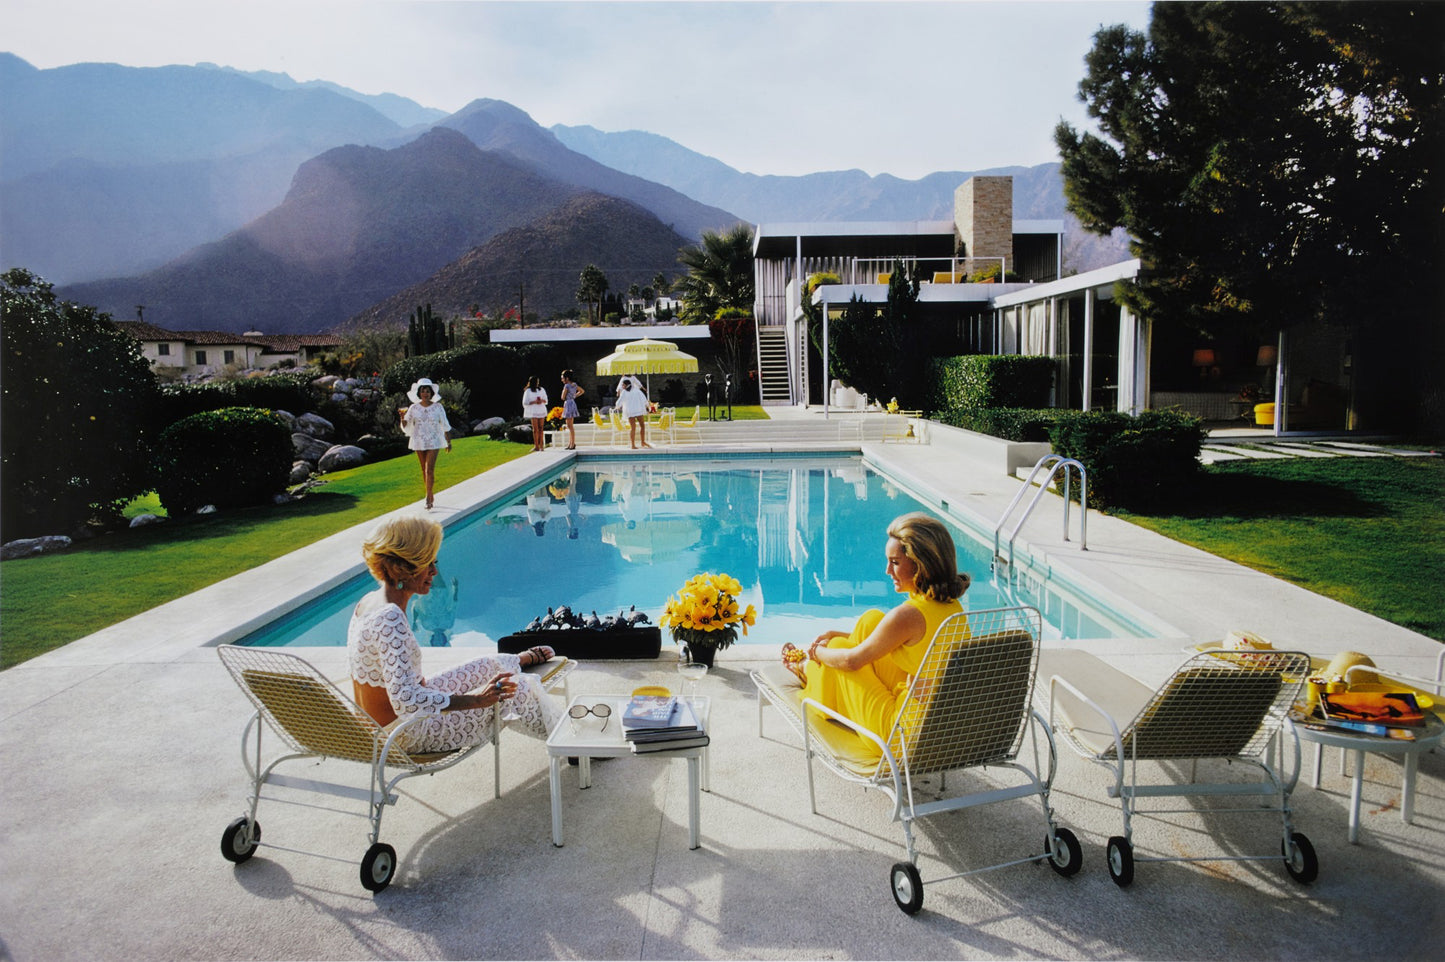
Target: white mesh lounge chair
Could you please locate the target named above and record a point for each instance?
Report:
(314, 720)
(968, 707)
(1228, 705)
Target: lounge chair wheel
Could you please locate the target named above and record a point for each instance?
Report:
(1121, 860)
(239, 840)
(907, 887)
(1299, 859)
(1068, 856)
(378, 867)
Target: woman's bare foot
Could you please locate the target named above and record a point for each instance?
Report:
(794, 659)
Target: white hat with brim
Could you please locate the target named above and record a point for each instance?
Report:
(436, 392)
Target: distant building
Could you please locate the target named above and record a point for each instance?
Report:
(195, 353)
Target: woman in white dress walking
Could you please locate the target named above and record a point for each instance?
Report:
(428, 431)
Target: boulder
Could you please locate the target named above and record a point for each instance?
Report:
(486, 426)
(315, 425)
(521, 433)
(30, 547)
(300, 471)
(308, 448)
(206, 509)
(340, 457)
(141, 520)
(325, 381)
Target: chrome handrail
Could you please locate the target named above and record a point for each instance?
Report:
(1056, 463)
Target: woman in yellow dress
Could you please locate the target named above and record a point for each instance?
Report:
(864, 674)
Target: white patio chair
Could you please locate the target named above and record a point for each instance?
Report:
(968, 707)
(1227, 705)
(315, 720)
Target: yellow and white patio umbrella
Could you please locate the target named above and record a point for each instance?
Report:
(647, 357)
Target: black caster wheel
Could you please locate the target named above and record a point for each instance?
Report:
(1300, 860)
(907, 887)
(1121, 861)
(378, 867)
(239, 840)
(1068, 857)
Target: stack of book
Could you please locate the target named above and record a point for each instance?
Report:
(1385, 714)
(657, 723)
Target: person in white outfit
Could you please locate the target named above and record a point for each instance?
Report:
(458, 705)
(427, 429)
(633, 402)
(534, 407)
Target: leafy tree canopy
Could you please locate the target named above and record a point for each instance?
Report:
(76, 398)
(1272, 161)
(720, 274)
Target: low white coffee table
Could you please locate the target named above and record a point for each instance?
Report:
(591, 740)
(1361, 743)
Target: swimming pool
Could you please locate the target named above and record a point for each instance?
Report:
(803, 534)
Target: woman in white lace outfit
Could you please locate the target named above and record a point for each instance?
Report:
(386, 673)
(427, 429)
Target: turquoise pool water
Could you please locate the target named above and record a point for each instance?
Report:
(804, 536)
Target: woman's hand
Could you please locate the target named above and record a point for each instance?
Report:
(495, 691)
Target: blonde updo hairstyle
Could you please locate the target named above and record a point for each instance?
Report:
(927, 542)
(400, 547)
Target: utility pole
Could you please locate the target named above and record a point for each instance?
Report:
(522, 304)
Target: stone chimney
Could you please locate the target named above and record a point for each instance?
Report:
(983, 221)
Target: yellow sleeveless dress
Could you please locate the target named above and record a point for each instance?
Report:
(870, 695)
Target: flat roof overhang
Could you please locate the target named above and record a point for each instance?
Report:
(923, 238)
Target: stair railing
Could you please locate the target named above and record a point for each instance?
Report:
(1055, 463)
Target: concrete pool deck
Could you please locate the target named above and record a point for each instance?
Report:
(121, 759)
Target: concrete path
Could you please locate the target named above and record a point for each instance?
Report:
(122, 764)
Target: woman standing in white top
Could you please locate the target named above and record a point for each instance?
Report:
(428, 431)
(534, 406)
(633, 402)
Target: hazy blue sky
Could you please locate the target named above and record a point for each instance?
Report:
(904, 88)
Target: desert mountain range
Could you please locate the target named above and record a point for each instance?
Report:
(224, 200)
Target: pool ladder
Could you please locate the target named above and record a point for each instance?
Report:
(1056, 463)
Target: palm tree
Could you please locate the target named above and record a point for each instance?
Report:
(591, 285)
(720, 274)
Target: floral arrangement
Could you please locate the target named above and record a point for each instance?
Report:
(554, 417)
(706, 611)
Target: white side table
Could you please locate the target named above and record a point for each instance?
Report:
(1360, 744)
(593, 740)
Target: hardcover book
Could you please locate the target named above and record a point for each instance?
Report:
(650, 711)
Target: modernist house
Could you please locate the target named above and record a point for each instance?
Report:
(195, 353)
(1109, 359)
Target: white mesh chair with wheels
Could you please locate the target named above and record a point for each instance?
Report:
(1226, 705)
(314, 720)
(968, 707)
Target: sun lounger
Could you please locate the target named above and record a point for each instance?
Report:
(1218, 705)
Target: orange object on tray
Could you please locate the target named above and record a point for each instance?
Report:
(1382, 707)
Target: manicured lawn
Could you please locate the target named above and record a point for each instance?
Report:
(1369, 532)
(51, 600)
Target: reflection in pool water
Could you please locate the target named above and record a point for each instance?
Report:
(804, 536)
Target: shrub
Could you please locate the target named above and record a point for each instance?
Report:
(291, 391)
(494, 374)
(230, 458)
(78, 409)
(975, 381)
(1012, 424)
(1132, 462)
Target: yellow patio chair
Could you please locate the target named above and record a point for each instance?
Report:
(688, 430)
(619, 427)
(967, 708)
(314, 720)
(1221, 705)
(664, 426)
(602, 427)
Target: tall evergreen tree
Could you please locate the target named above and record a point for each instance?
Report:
(1274, 163)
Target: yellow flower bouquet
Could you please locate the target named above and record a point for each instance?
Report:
(555, 418)
(706, 613)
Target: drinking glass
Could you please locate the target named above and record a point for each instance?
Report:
(692, 672)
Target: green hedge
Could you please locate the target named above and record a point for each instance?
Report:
(230, 458)
(1011, 424)
(975, 381)
(277, 392)
(1132, 462)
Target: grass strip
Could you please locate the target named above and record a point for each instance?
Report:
(54, 599)
(1368, 532)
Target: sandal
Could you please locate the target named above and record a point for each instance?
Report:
(794, 659)
(540, 655)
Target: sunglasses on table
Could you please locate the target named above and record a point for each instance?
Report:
(579, 712)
